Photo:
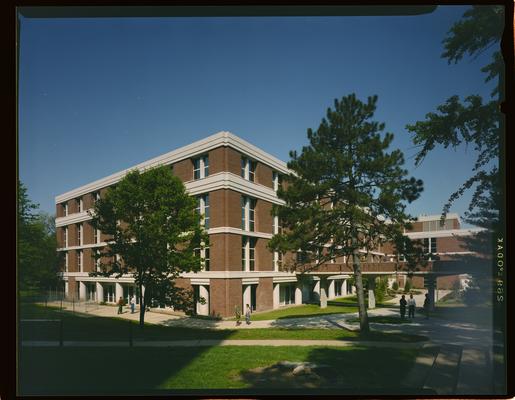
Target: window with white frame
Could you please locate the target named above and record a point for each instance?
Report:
(430, 246)
(96, 258)
(96, 235)
(79, 234)
(203, 209)
(65, 209)
(96, 196)
(276, 225)
(248, 169)
(248, 249)
(66, 261)
(80, 265)
(65, 236)
(277, 180)
(80, 204)
(248, 206)
(203, 254)
(201, 167)
(278, 260)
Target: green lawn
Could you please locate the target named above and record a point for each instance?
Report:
(85, 327)
(68, 371)
(305, 310)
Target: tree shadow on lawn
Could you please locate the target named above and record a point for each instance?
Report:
(356, 371)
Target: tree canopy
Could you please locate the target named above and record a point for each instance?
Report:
(154, 230)
(347, 193)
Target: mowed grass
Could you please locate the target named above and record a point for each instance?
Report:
(85, 327)
(305, 310)
(383, 319)
(68, 371)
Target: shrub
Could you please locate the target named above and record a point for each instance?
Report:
(380, 289)
(395, 285)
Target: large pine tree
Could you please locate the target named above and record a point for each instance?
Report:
(347, 194)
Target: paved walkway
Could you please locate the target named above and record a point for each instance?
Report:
(229, 342)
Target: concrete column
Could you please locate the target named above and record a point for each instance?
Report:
(430, 283)
(100, 293)
(82, 291)
(323, 292)
(371, 295)
(246, 298)
(331, 289)
(118, 291)
(316, 290)
(344, 287)
(298, 293)
(204, 308)
(66, 289)
(276, 296)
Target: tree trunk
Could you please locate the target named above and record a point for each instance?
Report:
(363, 316)
(142, 306)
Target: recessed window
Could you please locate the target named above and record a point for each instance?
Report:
(248, 206)
(80, 265)
(248, 169)
(95, 196)
(66, 261)
(248, 248)
(203, 254)
(201, 167)
(80, 204)
(65, 237)
(65, 209)
(277, 180)
(278, 260)
(203, 209)
(430, 246)
(79, 234)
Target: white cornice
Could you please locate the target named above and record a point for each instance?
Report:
(201, 146)
(72, 219)
(236, 231)
(443, 233)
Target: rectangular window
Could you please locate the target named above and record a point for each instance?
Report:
(248, 206)
(80, 204)
(96, 259)
(248, 169)
(430, 245)
(96, 236)
(203, 209)
(201, 167)
(301, 257)
(95, 196)
(65, 238)
(79, 261)
(203, 254)
(79, 234)
(65, 209)
(66, 261)
(206, 259)
(248, 250)
(278, 261)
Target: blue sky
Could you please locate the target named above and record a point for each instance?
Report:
(100, 95)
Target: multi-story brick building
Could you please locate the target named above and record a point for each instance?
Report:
(235, 184)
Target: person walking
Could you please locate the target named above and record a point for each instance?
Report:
(426, 306)
(133, 304)
(411, 306)
(247, 315)
(120, 305)
(403, 304)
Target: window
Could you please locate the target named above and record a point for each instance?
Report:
(248, 206)
(95, 196)
(79, 261)
(301, 257)
(203, 254)
(80, 204)
(65, 209)
(79, 234)
(96, 258)
(96, 235)
(278, 261)
(201, 167)
(65, 238)
(430, 245)
(66, 261)
(435, 225)
(276, 225)
(248, 253)
(277, 180)
(248, 169)
(203, 209)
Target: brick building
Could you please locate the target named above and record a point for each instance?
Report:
(235, 184)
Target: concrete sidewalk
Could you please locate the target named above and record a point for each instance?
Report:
(229, 342)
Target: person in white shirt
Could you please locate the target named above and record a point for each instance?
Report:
(133, 304)
(411, 306)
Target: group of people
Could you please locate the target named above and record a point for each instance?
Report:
(411, 304)
(121, 303)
